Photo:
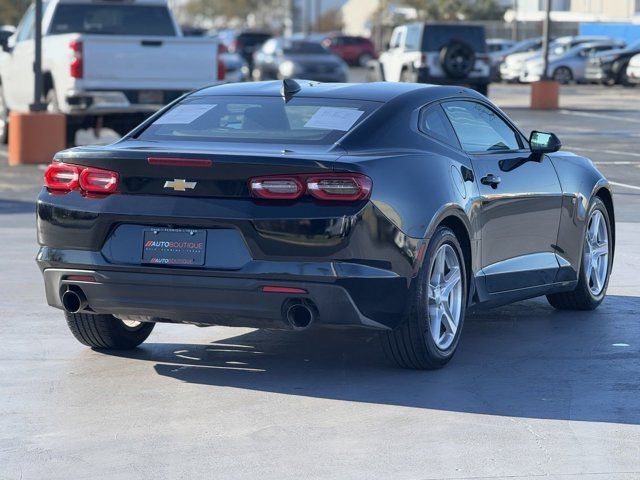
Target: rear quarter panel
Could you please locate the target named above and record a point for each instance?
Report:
(580, 181)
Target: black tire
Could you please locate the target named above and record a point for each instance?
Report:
(564, 75)
(582, 298)
(51, 101)
(407, 76)
(410, 345)
(457, 59)
(4, 119)
(106, 331)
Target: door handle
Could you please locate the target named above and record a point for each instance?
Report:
(492, 180)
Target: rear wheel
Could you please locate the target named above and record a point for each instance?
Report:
(107, 332)
(563, 75)
(482, 89)
(595, 267)
(428, 337)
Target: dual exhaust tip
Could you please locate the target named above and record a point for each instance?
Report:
(298, 314)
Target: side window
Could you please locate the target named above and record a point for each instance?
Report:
(395, 38)
(479, 128)
(25, 30)
(434, 122)
(412, 41)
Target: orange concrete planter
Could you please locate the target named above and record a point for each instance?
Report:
(35, 137)
(545, 95)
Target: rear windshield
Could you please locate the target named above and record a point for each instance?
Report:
(316, 121)
(437, 36)
(302, 47)
(105, 19)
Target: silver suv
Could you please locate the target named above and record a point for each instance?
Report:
(443, 54)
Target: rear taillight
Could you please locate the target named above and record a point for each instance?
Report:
(222, 48)
(95, 180)
(76, 67)
(280, 188)
(341, 187)
(348, 188)
(222, 70)
(63, 177)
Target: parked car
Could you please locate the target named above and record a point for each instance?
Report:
(236, 69)
(443, 54)
(244, 42)
(353, 50)
(633, 70)
(393, 207)
(610, 68)
(569, 66)
(528, 46)
(281, 58)
(105, 62)
(496, 48)
(512, 68)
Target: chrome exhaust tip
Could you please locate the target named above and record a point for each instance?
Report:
(74, 301)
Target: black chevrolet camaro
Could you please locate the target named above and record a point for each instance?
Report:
(394, 207)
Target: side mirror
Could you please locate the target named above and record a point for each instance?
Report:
(543, 142)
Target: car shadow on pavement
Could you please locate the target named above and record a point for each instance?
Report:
(523, 360)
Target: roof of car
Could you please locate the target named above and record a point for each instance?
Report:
(374, 91)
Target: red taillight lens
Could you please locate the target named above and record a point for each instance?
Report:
(222, 70)
(76, 68)
(341, 187)
(279, 188)
(347, 187)
(95, 180)
(222, 48)
(62, 177)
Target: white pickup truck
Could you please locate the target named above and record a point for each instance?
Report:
(106, 63)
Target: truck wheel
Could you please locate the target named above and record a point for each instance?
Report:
(107, 332)
(4, 119)
(482, 89)
(428, 337)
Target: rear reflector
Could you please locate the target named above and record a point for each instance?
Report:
(95, 180)
(280, 188)
(62, 177)
(270, 289)
(180, 162)
(79, 278)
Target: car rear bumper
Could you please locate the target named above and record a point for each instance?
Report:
(104, 102)
(216, 300)
(423, 75)
(355, 266)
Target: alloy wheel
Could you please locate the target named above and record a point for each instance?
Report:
(445, 297)
(596, 253)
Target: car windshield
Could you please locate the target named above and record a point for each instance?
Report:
(436, 37)
(315, 121)
(289, 46)
(112, 19)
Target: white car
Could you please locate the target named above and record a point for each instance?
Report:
(633, 70)
(104, 63)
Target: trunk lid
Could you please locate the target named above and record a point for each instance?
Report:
(200, 171)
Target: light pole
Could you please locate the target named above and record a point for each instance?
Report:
(37, 105)
(546, 30)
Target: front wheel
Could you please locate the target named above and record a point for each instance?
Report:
(429, 336)
(563, 75)
(107, 332)
(595, 266)
(4, 119)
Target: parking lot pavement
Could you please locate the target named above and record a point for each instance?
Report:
(531, 393)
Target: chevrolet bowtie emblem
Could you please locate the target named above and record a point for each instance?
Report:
(179, 184)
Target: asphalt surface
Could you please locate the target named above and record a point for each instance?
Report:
(532, 392)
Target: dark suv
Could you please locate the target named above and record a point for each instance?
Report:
(443, 54)
(610, 67)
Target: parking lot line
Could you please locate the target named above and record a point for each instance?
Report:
(624, 185)
(598, 115)
(612, 152)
